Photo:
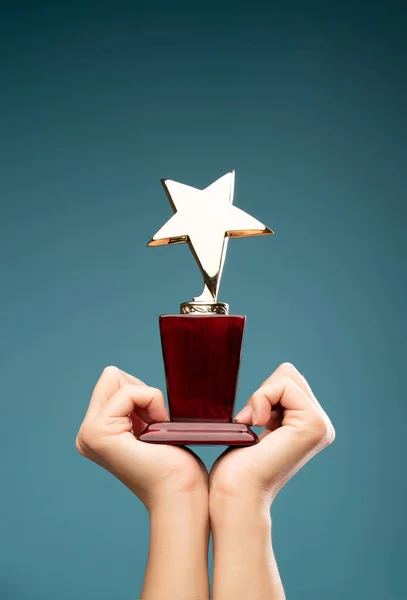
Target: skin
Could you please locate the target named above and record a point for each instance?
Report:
(173, 483)
(244, 483)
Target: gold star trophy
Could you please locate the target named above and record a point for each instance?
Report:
(202, 345)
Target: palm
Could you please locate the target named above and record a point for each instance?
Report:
(179, 467)
(254, 466)
(234, 469)
(180, 463)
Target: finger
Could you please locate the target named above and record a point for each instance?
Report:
(284, 392)
(110, 381)
(288, 370)
(145, 401)
(311, 427)
(284, 370)
(275, 421)
(245, 415)
(133, 379)
(304, 429)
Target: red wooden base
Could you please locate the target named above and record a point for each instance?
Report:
(182, 434)
(201, 359)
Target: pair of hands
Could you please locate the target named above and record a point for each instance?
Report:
(295, 429)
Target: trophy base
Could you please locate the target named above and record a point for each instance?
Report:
(183, 434)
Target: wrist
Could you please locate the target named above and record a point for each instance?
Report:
(242, 547)
(191, 502)
(167, 493)
(251, 509)
(178, 553)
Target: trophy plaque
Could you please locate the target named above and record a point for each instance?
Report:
(202, 345)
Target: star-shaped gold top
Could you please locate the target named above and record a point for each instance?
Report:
(206, 219)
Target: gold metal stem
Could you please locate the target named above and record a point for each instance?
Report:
(199, 308)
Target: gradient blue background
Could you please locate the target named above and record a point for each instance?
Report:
(307, 102)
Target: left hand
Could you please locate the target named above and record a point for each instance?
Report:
(295, 429)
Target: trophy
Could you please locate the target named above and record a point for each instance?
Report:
(202, 345)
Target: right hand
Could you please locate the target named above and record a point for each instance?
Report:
(120, 408)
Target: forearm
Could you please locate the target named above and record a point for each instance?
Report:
(244, 563)
(177, 567)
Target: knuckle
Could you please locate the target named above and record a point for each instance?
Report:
(322, 429)
(78, 445)
(331, 434)
(258, 400)
(288, 369)
(86, 439)
(156, 394)
(291, 385)
(289, 380)
(110, 370)
(127, 389)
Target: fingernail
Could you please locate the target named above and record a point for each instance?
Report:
(243, 413)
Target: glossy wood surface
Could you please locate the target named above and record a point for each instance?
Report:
(227, 434)
(201, 358)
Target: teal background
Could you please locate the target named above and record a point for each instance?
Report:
(307, 102)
